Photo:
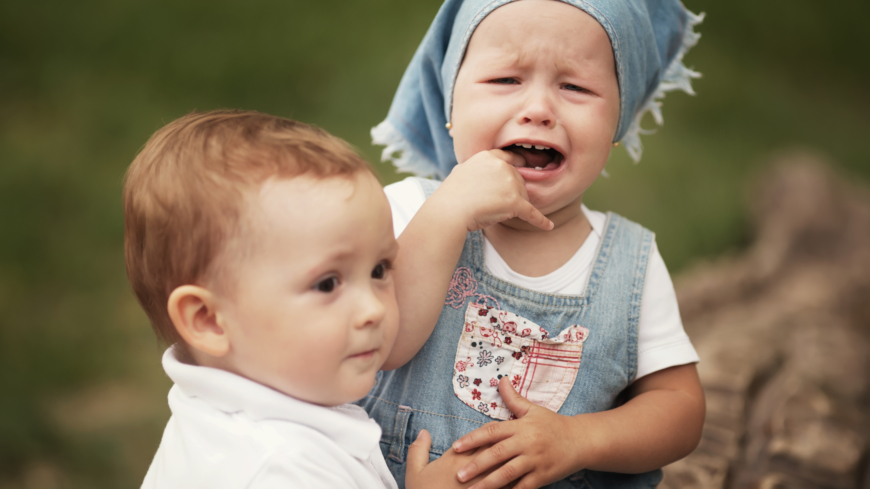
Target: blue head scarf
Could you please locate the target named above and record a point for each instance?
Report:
(649, 39)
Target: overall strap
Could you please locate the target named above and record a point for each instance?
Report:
(623, 243)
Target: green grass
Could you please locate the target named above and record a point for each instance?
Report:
(83, 84)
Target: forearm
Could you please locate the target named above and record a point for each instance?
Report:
(658, 426)
(430, 246)
(429, 249)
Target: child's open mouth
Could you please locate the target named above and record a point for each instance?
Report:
(537, 157)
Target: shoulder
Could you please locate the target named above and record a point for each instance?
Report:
(626, 226)
(406, 197)
(621, 236)
(204, 447)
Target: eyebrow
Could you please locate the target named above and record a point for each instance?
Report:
(323, 264)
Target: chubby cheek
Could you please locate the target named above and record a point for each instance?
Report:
(475, 126)
(391, 327)
(466, 143)
(596, 146)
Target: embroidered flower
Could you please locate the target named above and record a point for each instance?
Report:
(544, 334)
(460, 365)
(524, 349)
(485, 358)
(515, 381)
(482, 407)
(463, 381)
(493, 382)
(477, 382)
(482, 312)
(493, 405)
(499, 360)
(508, 340)
(475, 395)
(517, 355)
(492, 319)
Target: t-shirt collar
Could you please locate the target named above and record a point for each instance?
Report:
(347, 425)
(595, 223)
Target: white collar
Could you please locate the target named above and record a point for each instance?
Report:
(347, 425)
(596, 220)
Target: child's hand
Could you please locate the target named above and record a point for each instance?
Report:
(487, 189)
(530, 450)
(439, 474)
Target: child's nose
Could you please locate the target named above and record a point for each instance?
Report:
(537, 110)
(371, 309)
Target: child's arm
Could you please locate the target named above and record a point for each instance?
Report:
(480, 192)
(661, 423)
(440, 474)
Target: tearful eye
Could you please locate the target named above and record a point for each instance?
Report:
(327, 285)
(575, 88)
(504, 81)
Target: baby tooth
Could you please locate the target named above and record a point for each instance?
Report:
(538, 168)
(541, 147)
(527, 146)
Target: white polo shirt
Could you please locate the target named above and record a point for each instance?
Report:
(229, 432)
(661, 340)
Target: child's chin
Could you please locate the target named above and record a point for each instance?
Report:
(362, 388)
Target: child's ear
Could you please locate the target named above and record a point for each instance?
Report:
(193, 312)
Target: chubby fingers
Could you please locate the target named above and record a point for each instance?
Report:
(487, 434)
(516, 473)
(529, 213)
(418, 454)
(517, 404)
(501, 454)
(508, 157)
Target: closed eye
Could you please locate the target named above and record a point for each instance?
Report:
(575, 88)
(505, 81)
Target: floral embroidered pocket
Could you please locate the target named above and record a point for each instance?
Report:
(497, 343)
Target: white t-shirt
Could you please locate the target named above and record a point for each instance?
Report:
(229, 432)
(662, 342)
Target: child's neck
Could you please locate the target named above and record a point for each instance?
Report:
(533, 252)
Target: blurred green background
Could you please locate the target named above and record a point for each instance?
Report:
(83, 84)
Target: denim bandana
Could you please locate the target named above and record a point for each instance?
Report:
(649, 39)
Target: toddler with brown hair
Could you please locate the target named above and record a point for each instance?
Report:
(261, 250)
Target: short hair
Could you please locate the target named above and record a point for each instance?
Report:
(184, 194)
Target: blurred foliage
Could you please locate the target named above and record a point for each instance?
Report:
(83, 84)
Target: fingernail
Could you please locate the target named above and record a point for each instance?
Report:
(457, 446)
(461, 475)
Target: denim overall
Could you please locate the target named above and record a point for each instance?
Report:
(421, 394)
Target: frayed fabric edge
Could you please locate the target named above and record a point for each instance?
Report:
(676, 77)
(400, 152)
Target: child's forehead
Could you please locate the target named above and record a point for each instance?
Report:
(286, 204)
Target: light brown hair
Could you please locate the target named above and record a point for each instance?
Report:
(184, 194)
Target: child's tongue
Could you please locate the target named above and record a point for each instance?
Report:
(535, 158)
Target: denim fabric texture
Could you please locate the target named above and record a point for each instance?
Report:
(420, 394)
(649, 39)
